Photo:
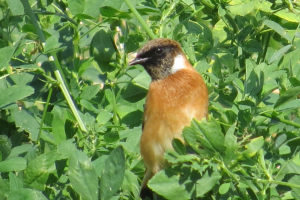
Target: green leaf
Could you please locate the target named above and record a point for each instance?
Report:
(26, 121)
(14, 93)
(279, 29)
(113, 174)
(194, 27)
(123, 110)
(83, 176)
(112, 3)
(39, 169)
(51, 44)
(15, 182)
(206, 183)
(99, 164)
(205, 134)
(287, 15)
(280, 53)
(178, 146)
(5, 56)
(252, 46)
(13, 164)
(84, 66)
(242, 9)
(294, 81)
(108, 11)
(103, 50)
(88, 105)
(26, 194)
(15, 7)
(223, 189)
(217, 67)
(253, 147)
(251, 78)
(171, 185)
(76, 6)
(16, 151)
(131, 185)
(280, 140)
(67, 148)
(231, 144)
(288, 96)
(294, 104)
(22, 78)
(133, 93)
(242, 35)
(284, 149)
(111, 137)
(103, 117)
(88, 92)
(110, 96)
(5, 146)
(58, 124)
(143, 80)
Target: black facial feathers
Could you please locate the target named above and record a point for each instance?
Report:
(157, 57)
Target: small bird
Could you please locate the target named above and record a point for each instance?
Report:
(177, 94)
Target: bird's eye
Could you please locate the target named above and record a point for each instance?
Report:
(158, 51)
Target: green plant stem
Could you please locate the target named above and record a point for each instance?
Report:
(227, 171)
(56, 65)
(262, 163)
(62, 14)
(277, 182)
(30, 13)
(262, 56)
(69, 100)
(208, 4)
(115, 117)
(52, 56)
(140, 19)
(161, 27)
(7, 36)
(281, 120)
(44, 115)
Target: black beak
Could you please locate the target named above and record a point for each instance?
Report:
(138, 61)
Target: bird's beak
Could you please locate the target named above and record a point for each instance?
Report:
(138, 61)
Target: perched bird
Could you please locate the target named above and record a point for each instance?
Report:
(177, 94)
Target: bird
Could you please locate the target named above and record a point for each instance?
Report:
(177, 94)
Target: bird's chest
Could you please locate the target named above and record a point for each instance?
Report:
(168, 110)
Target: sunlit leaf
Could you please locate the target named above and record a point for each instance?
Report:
(83, 176)
(13, 164)
(113, 174)
(26, 194)
(287, 96)
(39, 169)
(15, 93)
(279, 29)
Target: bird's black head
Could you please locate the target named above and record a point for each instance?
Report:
(158, 57)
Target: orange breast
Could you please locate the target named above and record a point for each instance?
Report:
(170, 106)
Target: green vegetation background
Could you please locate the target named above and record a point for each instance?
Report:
(71, 108)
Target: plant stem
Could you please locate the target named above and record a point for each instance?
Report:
(52, 56)
(30, 14)
(277, 182)
(69, 100)
(262, 163)
(281, 120)
(226, 170)
(44, 115)
(140, 19)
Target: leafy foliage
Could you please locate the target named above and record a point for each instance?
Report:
(71, 108)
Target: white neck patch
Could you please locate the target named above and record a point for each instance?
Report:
(179, 63)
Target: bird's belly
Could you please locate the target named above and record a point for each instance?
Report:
(159, 130)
